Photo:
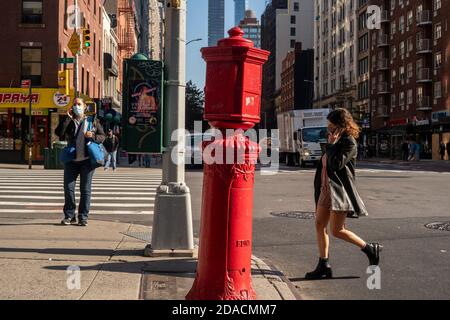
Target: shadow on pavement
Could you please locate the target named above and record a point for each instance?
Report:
(76, 252)
(334, 278)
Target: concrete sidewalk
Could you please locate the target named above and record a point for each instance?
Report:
(35, 256)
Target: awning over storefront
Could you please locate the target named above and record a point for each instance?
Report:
(41, 98)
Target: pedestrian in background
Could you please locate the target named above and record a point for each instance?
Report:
(111, 145)
(73, 129)
(442, 150)
(412, 150)
(448, 150)
(147, 160)
(335, 193)
(405, 151)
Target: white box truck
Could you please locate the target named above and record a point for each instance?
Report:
(301, 132)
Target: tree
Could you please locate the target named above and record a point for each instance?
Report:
(195, 100)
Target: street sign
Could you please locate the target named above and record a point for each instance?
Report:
(66, 60)
(25, 83)
(74, 43)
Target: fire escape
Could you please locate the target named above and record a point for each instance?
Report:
(126, 31)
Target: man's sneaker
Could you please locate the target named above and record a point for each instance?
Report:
(66, 221)
(73, 221)
(82, 223)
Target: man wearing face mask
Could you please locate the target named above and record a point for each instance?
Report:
(73, 129)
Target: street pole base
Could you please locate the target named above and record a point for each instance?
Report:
(172, 233)
(175, 253)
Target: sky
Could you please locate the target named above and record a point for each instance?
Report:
(197, 27)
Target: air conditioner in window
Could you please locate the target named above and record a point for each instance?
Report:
(407, 54)
(435, 72)
(435, 13)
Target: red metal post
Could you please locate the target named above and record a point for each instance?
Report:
(232, 101)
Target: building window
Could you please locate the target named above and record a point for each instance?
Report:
(437, 31)
(292, 44)
(437, 89)
(393, 28)
(410, 44)
(410, 18)
(409, 70)
(402, 73)
(402, 48)
(293, 19)
(401, 24)
(32, 65)
(409, 97)
(437, 4)
(393, 100)
(392, 4)
(437, 60)
(296, 6)
(401, 98)
(32, 11)
(293, 32)
(82, 80)
(87, 83)
(394, 51)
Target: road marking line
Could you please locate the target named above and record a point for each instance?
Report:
(76, 191)
(25, 197)
(61, 204)
(113, 212)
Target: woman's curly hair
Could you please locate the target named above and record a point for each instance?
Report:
(343, 119)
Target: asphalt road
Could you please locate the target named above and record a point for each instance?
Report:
(415, 262)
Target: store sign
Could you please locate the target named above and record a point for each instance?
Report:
(61, 100)
(437, 116)
(14, 97)
(41, 98)
(398, 122)
(422, 122)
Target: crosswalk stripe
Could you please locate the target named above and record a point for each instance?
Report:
(53, 204)
(136, 193)
(60, 187)
(138, 212)
(62, 197)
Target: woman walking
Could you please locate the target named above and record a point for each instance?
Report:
(335, 192)
(74, 130)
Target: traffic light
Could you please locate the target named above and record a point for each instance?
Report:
(63, 81)
(86, 38)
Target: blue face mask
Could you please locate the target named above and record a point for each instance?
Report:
(78, 110)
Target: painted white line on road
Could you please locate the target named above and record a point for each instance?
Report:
(60, 187)
(113, 212)
(76, 191)
(94, 184)
(25, 197)
(2, 180)
(60, 204)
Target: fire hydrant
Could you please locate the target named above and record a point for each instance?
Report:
(232, 101)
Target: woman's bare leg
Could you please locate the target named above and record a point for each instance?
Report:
(338, 230)
(323, 240)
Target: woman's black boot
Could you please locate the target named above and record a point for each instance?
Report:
(372, 250)
(322, 271)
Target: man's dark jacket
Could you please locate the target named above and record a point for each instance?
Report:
(341, 158)
(111, 144)
(66, 132)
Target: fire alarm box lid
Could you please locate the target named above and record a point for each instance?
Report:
(236, 39)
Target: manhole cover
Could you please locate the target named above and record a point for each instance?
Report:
(294, 214)
(444, 226)
(143, 236)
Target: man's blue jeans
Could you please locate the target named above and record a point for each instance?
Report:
(72, 170)
(112, 156)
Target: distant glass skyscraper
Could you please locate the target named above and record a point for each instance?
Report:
(216, 21)
(240, 6)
